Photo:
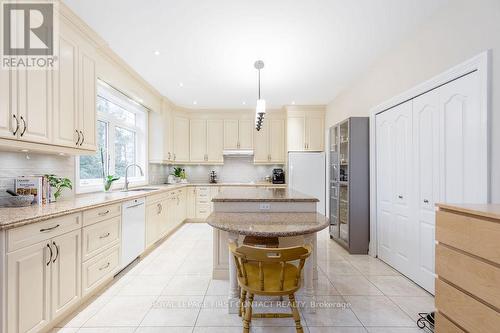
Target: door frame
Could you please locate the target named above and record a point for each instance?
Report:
(481, 64)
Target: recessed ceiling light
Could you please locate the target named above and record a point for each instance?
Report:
(181, 84)
(157, 52)
(195, 102)
(243, 102)
(293, 102)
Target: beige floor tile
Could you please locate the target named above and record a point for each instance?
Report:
(116, 285)
(64, 330)
(337, 330)
(196, 266)
(322, 286)
(275, 329)
(375, 267)
(214, 313)
(354, 285)
(378, 311)
(164, 329)
(84, 312)
(396, 286)
(145, 285)
(122, 311)
(334, 268)
(107, 330)
(216, 329)
(218, 288)
(187, 285)
(331, 311)
(394, 330)
(413, 305)
(265, 304)
(174, 311)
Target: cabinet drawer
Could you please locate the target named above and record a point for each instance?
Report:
(467, 312)
(470, 234)
(100, 268)
(202, 191)
(202, 210)
(156, 197)
(95, 215)
(472, 275)
(30, 234)
(443, 325)
(99, 236)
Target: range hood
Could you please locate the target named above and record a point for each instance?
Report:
(237, 152)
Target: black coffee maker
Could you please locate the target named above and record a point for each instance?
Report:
(278, 176)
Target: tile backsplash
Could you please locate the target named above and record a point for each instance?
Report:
(13, 165)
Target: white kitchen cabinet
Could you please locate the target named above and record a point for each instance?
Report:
(305, 130)
(66, 276)
(238, 134)
(198, 140)
(181, 140)
(191, 203)
(156, 220)
(87, 100)
(270, 143)
(28, 288)
(426, 151)
(215, 140)
(160, 133)
(6, 104)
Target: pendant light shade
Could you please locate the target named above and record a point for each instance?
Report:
(260, 109)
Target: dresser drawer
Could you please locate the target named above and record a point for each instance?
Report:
(467, 312)
(99, 269)
(470, 234)
(470, 274)
(95, 215)
(443, 325)
(30, 234)
(99, 236)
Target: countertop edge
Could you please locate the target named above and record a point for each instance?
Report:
(472, 209)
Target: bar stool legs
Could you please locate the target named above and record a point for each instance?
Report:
(295, 313)
(248, 314)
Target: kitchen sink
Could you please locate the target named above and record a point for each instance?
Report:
(145, 189)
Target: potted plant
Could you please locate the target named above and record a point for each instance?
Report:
(180, 175)
(58, 183)
(107, 180)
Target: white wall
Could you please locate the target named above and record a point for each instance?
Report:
(460, 31)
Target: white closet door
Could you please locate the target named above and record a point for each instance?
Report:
(464, 144)
(426, 129)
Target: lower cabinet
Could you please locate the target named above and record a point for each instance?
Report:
(191, 203)
(43, 281)
(97, 270)
(156, 220)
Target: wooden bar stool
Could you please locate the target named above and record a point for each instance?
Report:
(269, 272)
(269, 242)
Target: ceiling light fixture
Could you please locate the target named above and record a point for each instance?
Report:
(244, 103)
(260, 109)
(181, 84)
(157, 52)
(195, 102)
(293, 102)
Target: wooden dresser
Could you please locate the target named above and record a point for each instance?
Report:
(468, 268)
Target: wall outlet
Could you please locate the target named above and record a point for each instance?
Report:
(265, 206)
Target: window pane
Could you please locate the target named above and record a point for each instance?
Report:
(120, 114)
(124, 151)
(91, 166)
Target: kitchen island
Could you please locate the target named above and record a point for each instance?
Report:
(283, 213)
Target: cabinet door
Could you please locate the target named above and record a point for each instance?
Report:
(87, 99)
(215, 141)
(28, 288)
(34, 91)
(181, 139)
(66, 268)
(153, 214)
(7, 122)
(230, 134)
(198, 140)
(315, 133)
(156, 141)
(191, 203)
(65, 95)
(261, 149)
(277, 140)
(296, 133)
(245, 134)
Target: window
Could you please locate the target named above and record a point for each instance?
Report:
(121, 141)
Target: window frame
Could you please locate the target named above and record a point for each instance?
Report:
(112, 95)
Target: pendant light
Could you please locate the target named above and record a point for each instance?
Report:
(260, 109)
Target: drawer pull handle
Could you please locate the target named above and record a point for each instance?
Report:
(400, 196)
(104, 267)
(57, 251)
(426, 201)
(50, 259)
(105, 235)
(17, 125)
(49, 229)
(103, 213)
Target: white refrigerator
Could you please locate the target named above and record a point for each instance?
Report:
(307, 174)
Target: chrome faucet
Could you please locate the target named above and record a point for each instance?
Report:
(126, 174)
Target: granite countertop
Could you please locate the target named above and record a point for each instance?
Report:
(269, 224)
(262, 195)
(15, 217)
(485, 210)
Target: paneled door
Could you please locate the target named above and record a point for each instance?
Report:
(88, 93)
(28, 288)
(230, 134)
(66, 268)
(181, 139)
(426, 131)
(315, 128)
(296, 133)
(7, 121)
(198, 140)
(261, 141)
(277, 140)
(215, 141)
(245, 134)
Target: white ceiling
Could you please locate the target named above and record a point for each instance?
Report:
(311, 48)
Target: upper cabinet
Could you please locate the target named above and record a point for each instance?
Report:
(206, 141)
(305, 129)
(161, 136)
(238, 134)
(180, 139)
(46, 109)
(270, 142)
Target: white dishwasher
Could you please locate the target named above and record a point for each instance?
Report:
(133, 230)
